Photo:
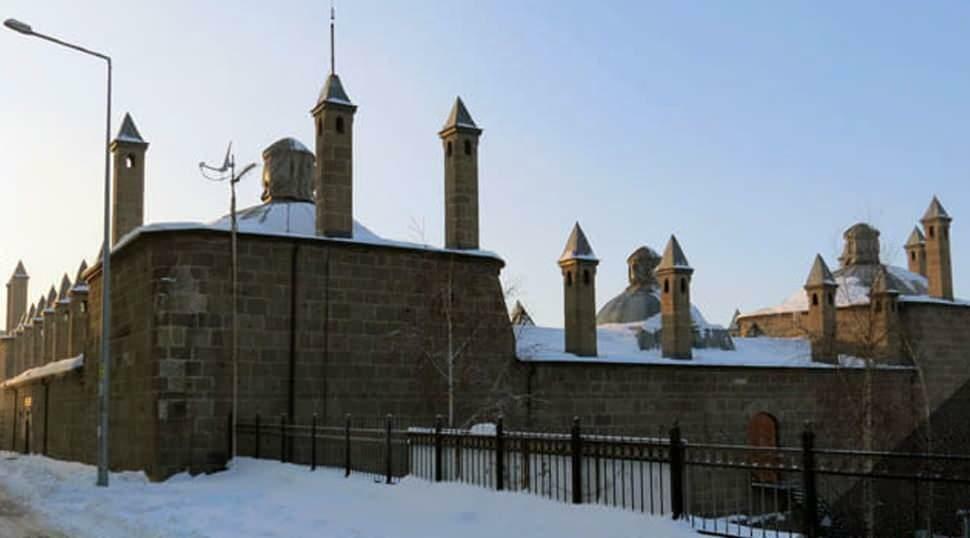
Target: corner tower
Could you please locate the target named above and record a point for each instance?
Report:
(820, 286)
(916, 252)
(936, 222)
(333, 118)
(459, 138)
(128, 184)
(886, 340)
(674, 274)
(16, 296)
(578, 264)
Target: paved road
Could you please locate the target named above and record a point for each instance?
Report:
(17, 522)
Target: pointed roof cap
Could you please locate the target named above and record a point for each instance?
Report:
(65, 289)
(935, 211)
(30, 315)
(820, 274)
(20, 271)
(673, 257)
(520, 316)
(79, 283)
(51, 297)
(41, 306)
(884, 283)
(577, 247)
(129, 133)
(916, 238)
(459, 118)
(333, 93)
(734, 319)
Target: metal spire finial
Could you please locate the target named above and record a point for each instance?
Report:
(333, 61)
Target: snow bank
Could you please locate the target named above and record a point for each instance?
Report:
(47, 370)
(618, 344)
(269, 499)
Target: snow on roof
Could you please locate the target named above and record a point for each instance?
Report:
(617, 344)
(47, 370)
(287, 218)
(577, 246)
(853, 290)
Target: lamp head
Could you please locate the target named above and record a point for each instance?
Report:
(18, 26)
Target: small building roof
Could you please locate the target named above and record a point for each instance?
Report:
(520, 316)
(673, 257)
(820, 275)
(916, 238)
(935, 211)
(333, 92)
(459, 117)
(577, 247)
(128, 133)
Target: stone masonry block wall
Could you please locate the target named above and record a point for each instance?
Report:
(343, 327)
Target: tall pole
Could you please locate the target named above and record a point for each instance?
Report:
(104, 372)
(104, 385)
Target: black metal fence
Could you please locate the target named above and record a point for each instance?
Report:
(720, 489)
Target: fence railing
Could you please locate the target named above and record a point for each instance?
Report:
(720, 489)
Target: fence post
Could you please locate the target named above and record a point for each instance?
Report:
(347, 445)
(259, 430)
(810, 527)
(313, 443)
(500, 454)
(676, 473)
(387, 450)
(577, 457)
(282, 437)
(438, 449)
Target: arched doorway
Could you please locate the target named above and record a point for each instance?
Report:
(763, 432)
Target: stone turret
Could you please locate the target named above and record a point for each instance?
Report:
(288, 172)
(861, 245)
(674, 275)
(77, 335)
(578, 264)
(39, 335)
(16, 296)
(916, 252)
(50, 325)
(886, 339)
(27, 351)
(459, 138)
(820, 286)
(936, 222)
(333, 118)
(63, 323)
(128, 184)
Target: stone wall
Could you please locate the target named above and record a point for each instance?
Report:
(715, 404)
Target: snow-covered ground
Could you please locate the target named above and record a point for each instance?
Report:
(269, 499)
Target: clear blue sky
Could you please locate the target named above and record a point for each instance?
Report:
(755, 131)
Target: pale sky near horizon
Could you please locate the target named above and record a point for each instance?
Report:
(755, 131)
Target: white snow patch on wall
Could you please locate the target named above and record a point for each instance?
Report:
(47, 370)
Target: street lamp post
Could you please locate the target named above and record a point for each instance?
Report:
(105, 367)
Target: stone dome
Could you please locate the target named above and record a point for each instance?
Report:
(639, 301)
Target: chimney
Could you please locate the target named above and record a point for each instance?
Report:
(459, 138)
(820, 287)
(674, 275)
(936, 222)
(128, 184)
(578, 265)
(916, 252)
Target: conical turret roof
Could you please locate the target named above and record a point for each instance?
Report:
(884, 283)
(820, 274)
(65, 289)
(333, 92)
(673, 257)
(41, 306)
(31, 314)
(916, 238)
(935, 211)
(734, 319)
(520, 316)
(128, 133)
(79, 283)
(459, 118)
(577, 246)
(19, 271)
(51, 298)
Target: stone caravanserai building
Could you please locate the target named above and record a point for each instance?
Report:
(335, 319)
